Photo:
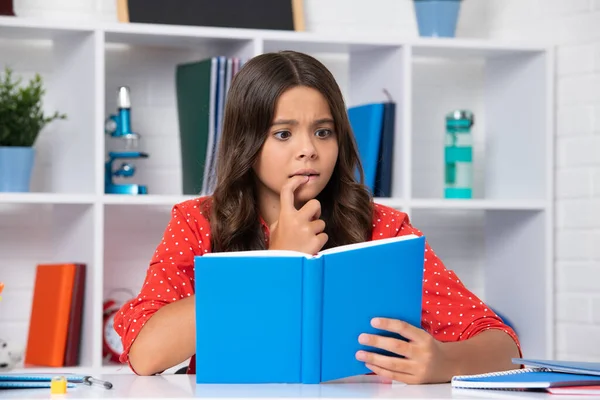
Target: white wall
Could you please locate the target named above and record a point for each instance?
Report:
(572, 24)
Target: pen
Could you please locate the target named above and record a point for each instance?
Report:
(88, 380)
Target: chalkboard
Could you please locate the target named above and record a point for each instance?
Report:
(251, 14)
(6, 7)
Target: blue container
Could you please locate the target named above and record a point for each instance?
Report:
(437, 18)
(16, 164)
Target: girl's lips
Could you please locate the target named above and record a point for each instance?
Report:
(305, 171)
(311, 177)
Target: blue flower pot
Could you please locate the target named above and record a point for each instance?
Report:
(16, 164)
(437, 18)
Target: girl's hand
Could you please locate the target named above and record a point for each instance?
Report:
(424, 358)
(299, 230)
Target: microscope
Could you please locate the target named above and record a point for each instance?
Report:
(119, 127)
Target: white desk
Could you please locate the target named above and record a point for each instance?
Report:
(126, 386)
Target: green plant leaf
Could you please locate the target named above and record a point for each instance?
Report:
(21, 110)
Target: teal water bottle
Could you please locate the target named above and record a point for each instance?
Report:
(458, 155)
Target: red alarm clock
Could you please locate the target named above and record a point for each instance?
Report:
(112, 347)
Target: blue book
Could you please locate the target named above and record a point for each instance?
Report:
(366, 122)
(385, 161)
(573, 367)
(289, 317)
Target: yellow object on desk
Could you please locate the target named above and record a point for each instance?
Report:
(58, 385)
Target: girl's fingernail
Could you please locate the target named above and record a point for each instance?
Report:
(363, 339)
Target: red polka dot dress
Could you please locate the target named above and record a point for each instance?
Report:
(450, 311)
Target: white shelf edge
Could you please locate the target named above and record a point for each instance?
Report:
(46, 198)
(36, 23)
(146, 199)
(398, 203)
(171, 200)
(476, 43)
(268, 35)
(178, 30)
(478, 204)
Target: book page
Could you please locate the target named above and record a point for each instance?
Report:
(293, 253)
(367, 244)
(259, 253)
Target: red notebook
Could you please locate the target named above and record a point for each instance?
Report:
(588, 390)
(55, 324)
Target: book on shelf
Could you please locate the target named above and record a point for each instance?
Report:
(373, 125)
(201, 93)
(54, 336)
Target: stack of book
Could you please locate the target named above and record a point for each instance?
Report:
(556, 377)
(54, 337)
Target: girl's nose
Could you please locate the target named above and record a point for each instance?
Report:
(307, 150)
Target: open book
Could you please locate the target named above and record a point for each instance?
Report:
(288, 317)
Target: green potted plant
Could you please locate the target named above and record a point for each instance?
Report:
(21, 120)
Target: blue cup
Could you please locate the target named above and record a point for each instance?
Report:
(437, 18)
(16, 164)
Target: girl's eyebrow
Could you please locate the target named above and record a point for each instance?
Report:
(294, 122)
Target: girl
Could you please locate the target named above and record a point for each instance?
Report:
(285, 180)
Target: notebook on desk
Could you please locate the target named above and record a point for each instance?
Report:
(572, 367)
(524, 379)
(538, 374)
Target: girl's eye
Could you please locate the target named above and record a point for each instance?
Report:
(323, 133)
(283, 135)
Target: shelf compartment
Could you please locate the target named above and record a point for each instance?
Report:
(148, 69)
(512, 134)
(65, 59)
(131, 234)
(502, 256)
(32, 234)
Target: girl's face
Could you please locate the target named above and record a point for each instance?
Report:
(300, 141)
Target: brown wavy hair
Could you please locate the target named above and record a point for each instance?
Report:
(346, 205)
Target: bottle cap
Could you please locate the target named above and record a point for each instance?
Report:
(459, 120)
(460, 115)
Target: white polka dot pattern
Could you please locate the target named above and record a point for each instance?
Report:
(450, 311)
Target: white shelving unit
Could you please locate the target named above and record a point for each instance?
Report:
(67, 217)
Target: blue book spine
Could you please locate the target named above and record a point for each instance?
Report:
(312, 300)
(366, 121)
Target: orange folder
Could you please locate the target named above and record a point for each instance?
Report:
(55, 314)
